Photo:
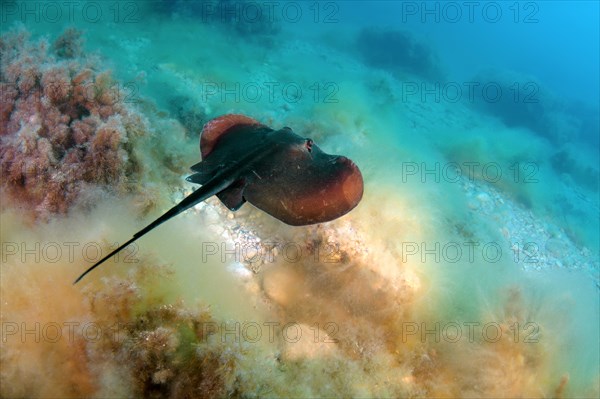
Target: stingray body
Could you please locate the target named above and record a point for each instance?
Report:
(278, 171)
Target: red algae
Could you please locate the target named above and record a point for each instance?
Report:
(63, 128)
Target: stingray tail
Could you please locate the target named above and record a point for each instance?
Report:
(204, 192)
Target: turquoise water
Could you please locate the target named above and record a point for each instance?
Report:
(469, 269)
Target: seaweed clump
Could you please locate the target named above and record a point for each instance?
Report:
(520, 100)
(63, 126)
(165, 349)
(69, 44)
(564, 161)
(397, 51)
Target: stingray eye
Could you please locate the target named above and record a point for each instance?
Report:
(309, 144)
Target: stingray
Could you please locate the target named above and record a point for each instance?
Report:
(285, 175)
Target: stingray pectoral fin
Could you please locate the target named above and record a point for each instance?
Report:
(216, 128)
(208, 190)
(233, 196)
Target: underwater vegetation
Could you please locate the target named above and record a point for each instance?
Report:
(65, 128)
(132, 337)
(522, 101)
(566, 161)
(397, 51)
(141, 347)
(62, 128)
